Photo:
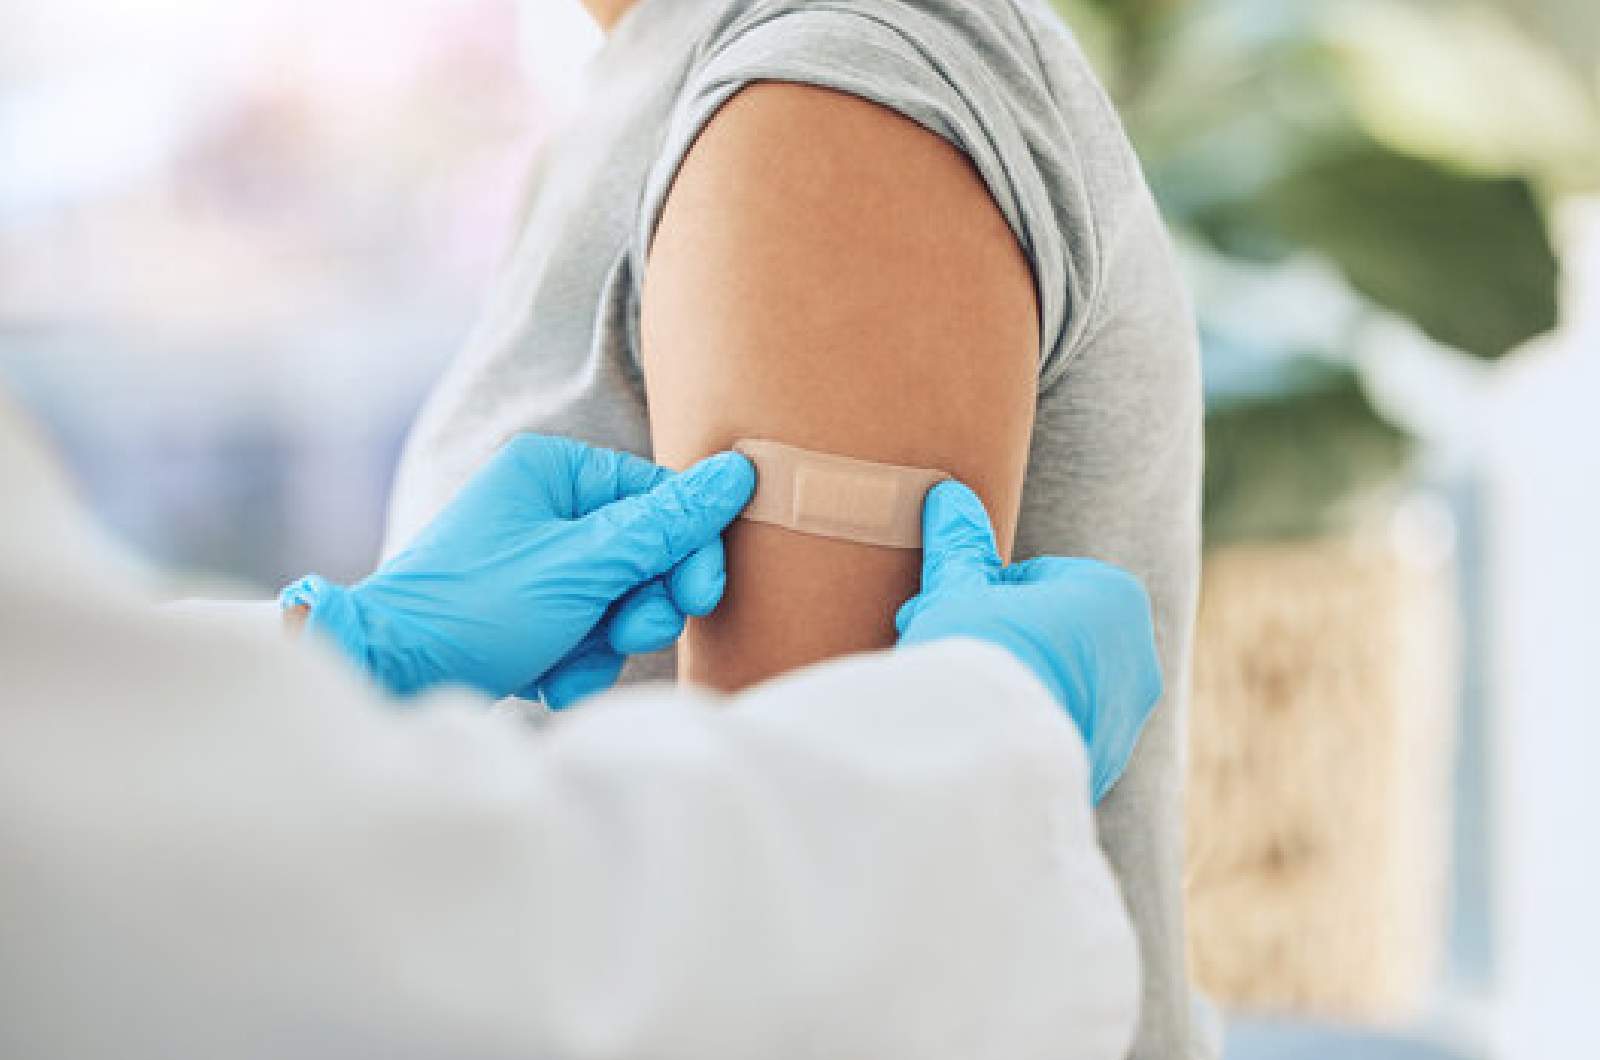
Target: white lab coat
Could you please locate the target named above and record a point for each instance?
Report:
(216, 843)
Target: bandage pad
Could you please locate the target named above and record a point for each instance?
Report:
(837, 496)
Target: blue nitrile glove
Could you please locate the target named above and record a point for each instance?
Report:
(551, 564)
(1082, 626)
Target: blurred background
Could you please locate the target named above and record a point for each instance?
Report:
(238, 242)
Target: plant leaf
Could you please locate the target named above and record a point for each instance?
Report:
(1296, 464)
(1467, 258)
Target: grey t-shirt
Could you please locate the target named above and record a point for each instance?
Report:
(1115, 458)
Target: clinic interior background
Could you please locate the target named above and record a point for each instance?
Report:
(238, 242)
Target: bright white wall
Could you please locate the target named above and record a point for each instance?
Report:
(1545, 533)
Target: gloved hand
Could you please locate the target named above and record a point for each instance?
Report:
(1083, 627)
(551, 564)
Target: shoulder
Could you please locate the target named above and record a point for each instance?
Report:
(1001, 81)
(802, 210)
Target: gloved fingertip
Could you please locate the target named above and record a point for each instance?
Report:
(724, 480)
(304, 592)
(684, 513)
(952, 505)
(957, 538)
(904, 614)
(596, 672)
(653, 625)
(336, 615)
(696, 584)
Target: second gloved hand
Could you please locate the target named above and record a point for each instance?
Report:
(551, 564)
(1082, 626)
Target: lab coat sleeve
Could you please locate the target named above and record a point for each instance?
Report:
(218, 844)
(258, 617)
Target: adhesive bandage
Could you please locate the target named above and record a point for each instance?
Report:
(837, 496)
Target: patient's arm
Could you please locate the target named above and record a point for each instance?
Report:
(830, 274)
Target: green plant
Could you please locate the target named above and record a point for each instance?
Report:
(1411, 146)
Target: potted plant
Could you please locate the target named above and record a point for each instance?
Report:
(1342, 179)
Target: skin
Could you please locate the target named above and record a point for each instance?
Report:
(606, 12)
(828, 273)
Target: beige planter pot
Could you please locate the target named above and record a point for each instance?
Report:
(1321, 742)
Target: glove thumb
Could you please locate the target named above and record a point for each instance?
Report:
(957, 539)
(662, 526)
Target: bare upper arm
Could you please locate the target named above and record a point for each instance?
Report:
(830, 274)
